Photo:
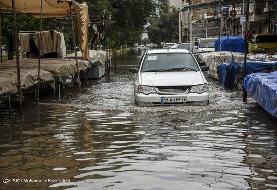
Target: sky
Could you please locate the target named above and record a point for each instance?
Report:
(176, 3)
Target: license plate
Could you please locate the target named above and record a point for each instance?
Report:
(173, 100)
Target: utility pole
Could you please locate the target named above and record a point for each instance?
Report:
(1, 55)
(39, 57)
(180, 26)
(246, 47)
(242, 24)
(74, 44)
(17, 57)
(190, 25)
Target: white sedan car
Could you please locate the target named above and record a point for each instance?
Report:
(170, 76)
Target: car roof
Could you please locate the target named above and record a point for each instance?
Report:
(204, 39)
(167, 51)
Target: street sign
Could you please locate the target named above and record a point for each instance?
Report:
(242, 19)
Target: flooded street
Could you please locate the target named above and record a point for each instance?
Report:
(98, 139)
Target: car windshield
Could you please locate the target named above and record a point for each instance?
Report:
(184, 46)
(210, 44)
(162, 62)
(168, 45)
(266, 39)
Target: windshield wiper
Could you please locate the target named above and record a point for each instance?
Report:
(154, 70)
(173, 69)
(182, 69)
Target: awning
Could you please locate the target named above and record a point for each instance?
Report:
(56, 8)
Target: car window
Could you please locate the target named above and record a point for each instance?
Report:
(210, 44)
(266, 38)
(184, 46)
(166, 61)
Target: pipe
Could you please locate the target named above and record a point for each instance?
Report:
(1, 54)
(17, 57)
(190, 26)
(246, 46)
(39, 57)
(74, 44)
(180, 27)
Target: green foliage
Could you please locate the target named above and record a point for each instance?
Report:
(129, 18)
(164, 25)
(118, 22)
(24, 22)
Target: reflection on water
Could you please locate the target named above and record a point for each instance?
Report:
(98, 139)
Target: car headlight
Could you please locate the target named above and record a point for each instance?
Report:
(199, 88)
(146, 89)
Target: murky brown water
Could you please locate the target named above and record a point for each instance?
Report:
(98, 139)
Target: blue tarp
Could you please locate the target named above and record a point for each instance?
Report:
(232, 72)
(258, 66)
(262, 87)
(227, 74)
(230, 43)
(221, 72)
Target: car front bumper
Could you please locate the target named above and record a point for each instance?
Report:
(191, 98)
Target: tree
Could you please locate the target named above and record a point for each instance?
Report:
(164, 24)
(117, 22)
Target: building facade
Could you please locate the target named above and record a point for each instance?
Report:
(211, 19)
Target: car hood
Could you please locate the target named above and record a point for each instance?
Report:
(188, 78)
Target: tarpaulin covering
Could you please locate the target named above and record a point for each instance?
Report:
(54, 8)
(232, 73)
(50, 8)
(221, 72)
(95, 56)
(230, 43)
(262, 87)
(259, 66)
(228, 73)
(213, 59)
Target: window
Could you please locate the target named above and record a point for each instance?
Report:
(266, 38)
(210, 44)
(167, 61)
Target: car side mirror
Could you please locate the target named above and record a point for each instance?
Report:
(133, 70)
(204, 68)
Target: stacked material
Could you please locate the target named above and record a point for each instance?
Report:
(56, 66)
(262, 57)
(7, 86)
(262, 87)
(214, 59)
(50, 68)
(95, 56)
(28, 77)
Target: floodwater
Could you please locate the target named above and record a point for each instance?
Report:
(98, 139)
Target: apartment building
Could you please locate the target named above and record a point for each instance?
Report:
(211, 18)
